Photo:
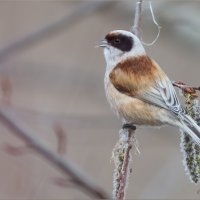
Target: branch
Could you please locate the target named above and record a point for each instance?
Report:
(185, 88)
(191, 150)
(121, 152)
(137, 19)
(46, 31)
(61, 137)
(6, 89)
(122, 157)
(17, 127)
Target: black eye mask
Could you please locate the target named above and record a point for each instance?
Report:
(121, 42)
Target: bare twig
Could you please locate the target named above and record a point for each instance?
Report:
(185, 88)
(6, 88)
(48, 30)
(61, 182)
(137, 19)
(17, 127)
(61, 137)
(17, 151)
(157, 25)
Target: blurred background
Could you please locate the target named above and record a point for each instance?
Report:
(57, 74)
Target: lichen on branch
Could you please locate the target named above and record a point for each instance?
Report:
(191, 151)
(122, 158)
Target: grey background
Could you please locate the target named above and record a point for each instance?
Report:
(60, 78)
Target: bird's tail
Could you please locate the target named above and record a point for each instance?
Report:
(189, 126)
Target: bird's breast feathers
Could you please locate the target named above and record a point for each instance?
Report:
(125, 82)
(134, 75)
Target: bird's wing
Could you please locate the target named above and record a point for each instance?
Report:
(162, 94)
(154, 88)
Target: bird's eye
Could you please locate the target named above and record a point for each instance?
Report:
(117, 41)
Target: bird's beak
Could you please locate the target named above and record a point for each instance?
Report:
(102, 43)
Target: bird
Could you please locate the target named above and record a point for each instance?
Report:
(138, 90)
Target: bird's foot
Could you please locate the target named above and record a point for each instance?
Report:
(129, 126)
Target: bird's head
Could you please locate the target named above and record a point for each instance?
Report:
(119, 45)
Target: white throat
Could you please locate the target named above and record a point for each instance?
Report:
(114, 55)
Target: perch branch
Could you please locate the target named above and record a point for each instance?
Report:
(17, 127)
(123, 175)
(121, 152)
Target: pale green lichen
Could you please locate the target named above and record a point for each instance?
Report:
(120, 156)
(190, 149)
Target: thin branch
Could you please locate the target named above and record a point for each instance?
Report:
(137, 19)
(122, 158)
(125, 166)
(61, 137)
(17, 127)
(61, 182)
(191, 151)
(122, 150)
(157, 25)
(185, 88)
(17, 151)
(46, 31)
(6, 89)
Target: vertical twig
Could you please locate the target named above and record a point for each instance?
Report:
(122, 157)
(190, 149)
(137, 19)
(6, 89)
(61, 137)
(121, 152)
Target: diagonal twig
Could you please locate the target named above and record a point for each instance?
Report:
(48, 30)
(17, 127)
